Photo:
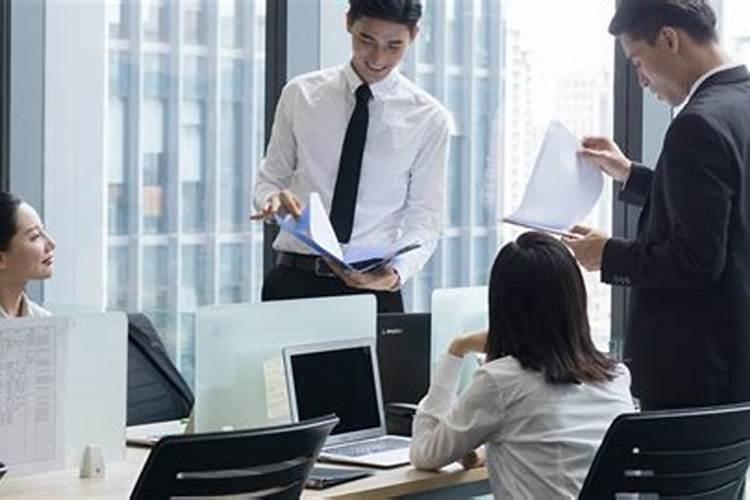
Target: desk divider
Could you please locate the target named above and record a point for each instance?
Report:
(63, 387)
(456, 311)
(239, 373)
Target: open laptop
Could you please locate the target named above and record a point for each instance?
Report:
(342, 377)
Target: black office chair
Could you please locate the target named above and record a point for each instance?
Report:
(270, 463)
(156, 390)
(687, 454)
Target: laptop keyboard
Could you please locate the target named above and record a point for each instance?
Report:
(360, 449)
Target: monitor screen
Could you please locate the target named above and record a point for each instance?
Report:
(339, 381)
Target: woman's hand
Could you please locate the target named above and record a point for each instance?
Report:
(474, 459)
(469, 342)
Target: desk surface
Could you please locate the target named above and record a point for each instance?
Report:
(120, 477)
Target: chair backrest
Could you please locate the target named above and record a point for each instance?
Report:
(269, 463)
(156, 390)
(699, 453)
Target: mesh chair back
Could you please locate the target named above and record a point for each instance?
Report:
(270, 463)
(156, 390)
(688, 454)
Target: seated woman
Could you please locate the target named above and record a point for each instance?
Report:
(545, 396)
(26, 253)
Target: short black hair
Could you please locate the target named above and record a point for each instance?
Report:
(407, 12)
(644, 19)
(9, 204)
(537, 312)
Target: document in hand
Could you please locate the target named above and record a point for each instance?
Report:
(314, 229)
(563, 187)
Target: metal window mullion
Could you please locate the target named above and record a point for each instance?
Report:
(466, 71)
(135, 173)
(174, 174)
(440, 39)
(252, 147)
(213, 151)
(276, 73)
(5, 68)
(628, 133)
(472, 86)
(497, 81)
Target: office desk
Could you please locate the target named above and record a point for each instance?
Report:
(120, 477)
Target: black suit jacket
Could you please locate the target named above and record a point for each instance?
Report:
(688, 336)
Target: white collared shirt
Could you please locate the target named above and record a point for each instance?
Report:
(540, 438)
(402, 184)
(29, 309)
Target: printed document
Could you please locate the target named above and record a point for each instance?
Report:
(313, 228)
(563, 187)
(31, 384)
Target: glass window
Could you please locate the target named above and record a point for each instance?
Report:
(181, 161)
(118, 18)
(193, 148)
(118, 272)
(156, 290)
(231, 286)
(155, 20)
(231, 170)
(230, 20)
(195, 22)
(154, 122)
(505, 71)
(735, 31)
(194, 285)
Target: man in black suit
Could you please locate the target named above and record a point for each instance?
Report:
(688, 338)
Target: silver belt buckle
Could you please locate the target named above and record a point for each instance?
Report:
(322, 269)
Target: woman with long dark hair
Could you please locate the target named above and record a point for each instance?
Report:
(26, 253)
(543, 400)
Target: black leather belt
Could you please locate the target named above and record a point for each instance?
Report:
(309, 263)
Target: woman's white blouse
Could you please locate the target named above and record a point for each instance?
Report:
(540, 438)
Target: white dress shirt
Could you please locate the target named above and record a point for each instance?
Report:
(29, 309)
(540, 438)
(401, 190)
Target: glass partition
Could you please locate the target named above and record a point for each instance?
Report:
(240, 380)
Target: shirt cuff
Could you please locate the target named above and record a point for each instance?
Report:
(447, 370)
(262, 196)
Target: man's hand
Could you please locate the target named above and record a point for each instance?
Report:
(588, 247)
(385, 279)
(605, 154)
(283, 202)
(469, 342)
(474, 459)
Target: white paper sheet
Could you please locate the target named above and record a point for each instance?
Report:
(314, 229)
(277, 399)
(31, 382)
(563, 187)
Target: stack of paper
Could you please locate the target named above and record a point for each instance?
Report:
(563, 187)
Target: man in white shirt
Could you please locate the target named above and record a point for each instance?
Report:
(373, 145)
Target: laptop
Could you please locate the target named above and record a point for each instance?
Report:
(342, 377)
(403, 342)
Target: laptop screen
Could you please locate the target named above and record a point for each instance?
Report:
(339, 381)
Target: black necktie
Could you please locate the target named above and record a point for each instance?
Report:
(350, 166)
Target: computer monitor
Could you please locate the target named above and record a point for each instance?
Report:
(403, 343)
(338, 377)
